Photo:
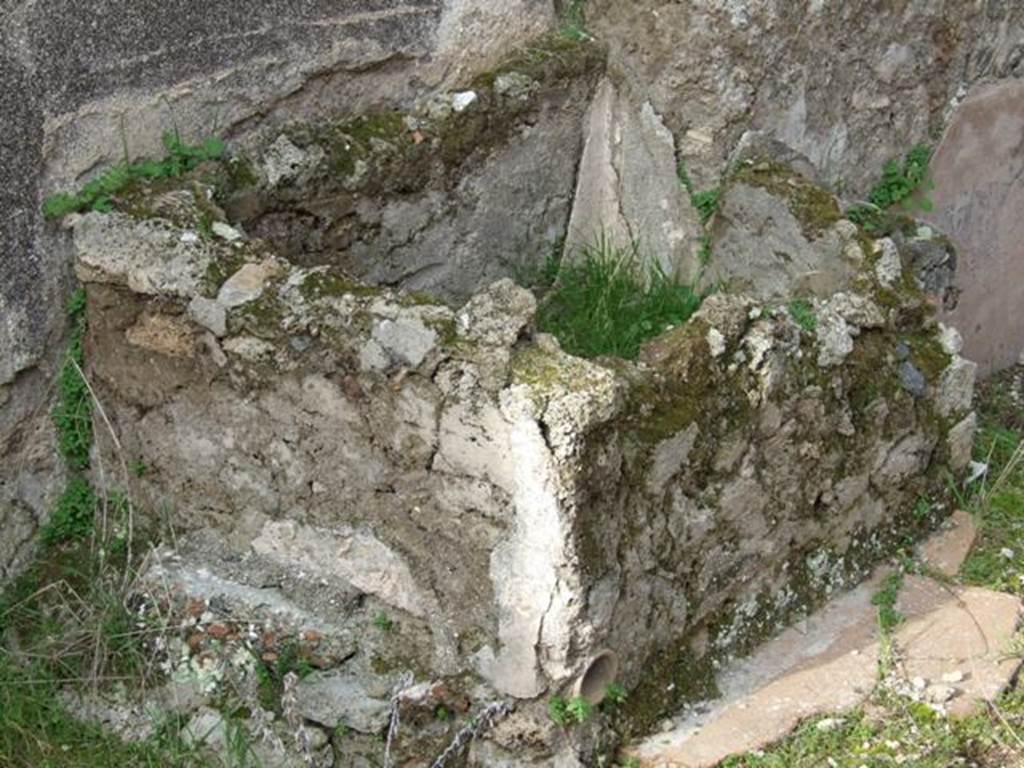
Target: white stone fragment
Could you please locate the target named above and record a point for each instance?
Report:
(226, 231)
(889, 267)
(462, 100)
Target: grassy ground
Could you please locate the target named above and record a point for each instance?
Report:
(892, 731)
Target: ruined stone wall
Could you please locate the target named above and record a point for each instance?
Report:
(83, 83)
(328, 451)
(846, 87)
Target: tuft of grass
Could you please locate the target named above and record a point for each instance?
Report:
(997, 561)
(37, 730)
(900, 183)
(99, 194)
(707, 203)
(608, 302)
(574, 23)
(885, 600)
(803, 315)
(73, 412)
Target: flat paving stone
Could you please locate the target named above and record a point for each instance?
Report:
(954, 638)
(958, 632)
(946, 551)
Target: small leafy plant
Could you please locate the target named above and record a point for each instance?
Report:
(574, 711)
(558, 711)
(98, 194)
(885, 600)
(615, 695)
(579, 709)
(72, 518)
(803, 315)
(383, 622)
(899, 184)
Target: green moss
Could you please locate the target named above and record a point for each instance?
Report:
(927, 354)
(263, 317)
(815, 208)
(359, 138)
(549, 60)
(865, 378)
(672, 677)
(682, 390)
(333, 283)
(546, 372)
(223, 265)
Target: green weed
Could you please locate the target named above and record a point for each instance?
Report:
(704, 252)
(73, 413)
(803, 315)
(615, 695)
(574, 23)
(383, 622)
(885, 600)
(608, 302)
(558, 711)
(575, 710)
(99, 194)
(707, 203)
(579, 709)
(72, 518)
(899, 184)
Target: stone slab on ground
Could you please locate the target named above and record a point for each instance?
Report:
(768, 694)
(952, 632)
(946, 551)
(829, 663)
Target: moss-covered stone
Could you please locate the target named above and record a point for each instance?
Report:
(320, 284)
(814, 207)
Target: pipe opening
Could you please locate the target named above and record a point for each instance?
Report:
(600, 672)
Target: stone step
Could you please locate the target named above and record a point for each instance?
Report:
(950, 651)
